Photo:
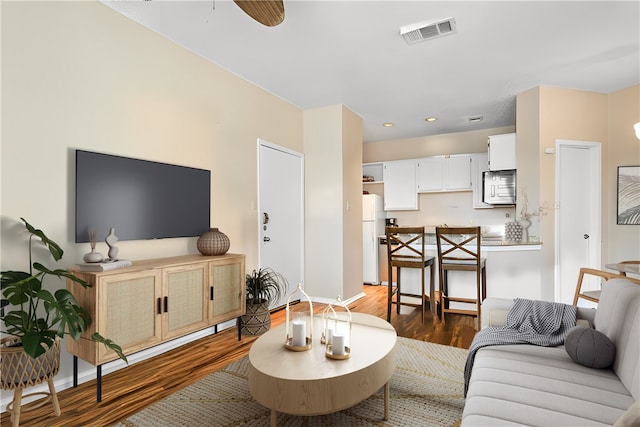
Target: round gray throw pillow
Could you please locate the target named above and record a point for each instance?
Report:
(589, 347)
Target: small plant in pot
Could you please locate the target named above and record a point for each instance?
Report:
(264, 286)
(36, 319)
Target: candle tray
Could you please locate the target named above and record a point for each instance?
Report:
(330, 355)
(289, 346)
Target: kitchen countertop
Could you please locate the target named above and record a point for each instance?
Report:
(490, 245)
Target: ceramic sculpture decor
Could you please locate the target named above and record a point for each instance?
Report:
(111, 241)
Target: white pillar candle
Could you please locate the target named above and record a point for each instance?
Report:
(338, 344)
(299, 333)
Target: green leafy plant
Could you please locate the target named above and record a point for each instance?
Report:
(36, 315)
(265, 285)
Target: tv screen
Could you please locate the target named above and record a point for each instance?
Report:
(139, 198)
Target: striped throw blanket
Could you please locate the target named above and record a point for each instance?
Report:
(540, 323)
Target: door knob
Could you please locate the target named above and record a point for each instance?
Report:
(586, 236)
(266, 239)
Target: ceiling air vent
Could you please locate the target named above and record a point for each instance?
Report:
(427, 30)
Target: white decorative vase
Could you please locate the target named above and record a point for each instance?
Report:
(93, 256)
(525, 224)
(213, 242)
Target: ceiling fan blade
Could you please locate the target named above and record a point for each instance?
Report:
(266, 12)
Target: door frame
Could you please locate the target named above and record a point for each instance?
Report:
(595, 207)
(300, 156)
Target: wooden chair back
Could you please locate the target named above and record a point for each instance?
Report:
(594, 295)
(459, 246)
(405, 246)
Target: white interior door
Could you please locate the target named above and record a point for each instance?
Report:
(578, 229)
(281, 213)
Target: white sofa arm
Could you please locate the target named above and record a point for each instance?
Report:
(494, 311)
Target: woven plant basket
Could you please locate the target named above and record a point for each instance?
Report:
(19, 370)
(257, 319)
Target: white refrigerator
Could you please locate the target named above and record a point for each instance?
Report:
(372, 227)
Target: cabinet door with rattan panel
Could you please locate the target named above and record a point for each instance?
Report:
(185, 299)
(128, 312)
(123, 308)
(227, 288)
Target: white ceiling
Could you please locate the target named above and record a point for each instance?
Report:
(351, 53)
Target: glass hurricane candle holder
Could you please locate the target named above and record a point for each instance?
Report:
(336, 324)
(328, 326)
(299, 322)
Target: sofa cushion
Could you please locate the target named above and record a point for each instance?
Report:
(589, 347)
(532, 385)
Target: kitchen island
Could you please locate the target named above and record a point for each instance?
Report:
(513, 271)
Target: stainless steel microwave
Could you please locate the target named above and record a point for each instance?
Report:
(499, 187)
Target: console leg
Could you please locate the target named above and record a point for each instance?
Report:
(239, 328)
(75, 371)
(99, 383)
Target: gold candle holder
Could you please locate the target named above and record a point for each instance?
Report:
(336, 330)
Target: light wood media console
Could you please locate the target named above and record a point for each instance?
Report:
(155, 301)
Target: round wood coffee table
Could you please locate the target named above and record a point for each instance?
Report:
(309, 383)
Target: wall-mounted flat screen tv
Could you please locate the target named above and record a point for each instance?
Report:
(141, 199)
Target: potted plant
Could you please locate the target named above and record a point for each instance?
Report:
(263, 286)
(36, 319)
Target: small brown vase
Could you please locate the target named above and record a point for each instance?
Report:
(213, 242)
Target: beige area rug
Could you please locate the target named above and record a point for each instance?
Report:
(426, 389)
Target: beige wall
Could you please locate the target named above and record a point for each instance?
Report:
(623, 241)
(79, 75)
(568, 115)
(352, 203)
(323, 201)
(333, 202)
(545, 114)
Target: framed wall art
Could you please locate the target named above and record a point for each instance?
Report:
(628, 195)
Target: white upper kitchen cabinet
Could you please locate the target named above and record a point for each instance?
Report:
(502, 151)
(400, 192)
(431, 174)
(444, 173)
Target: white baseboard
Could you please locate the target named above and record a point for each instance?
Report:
(346, 302)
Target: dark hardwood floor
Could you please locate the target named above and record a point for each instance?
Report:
(137, 386)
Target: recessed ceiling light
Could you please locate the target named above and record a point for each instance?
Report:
(431, 119)
(387, 125)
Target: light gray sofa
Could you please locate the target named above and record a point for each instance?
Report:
(542, 386)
